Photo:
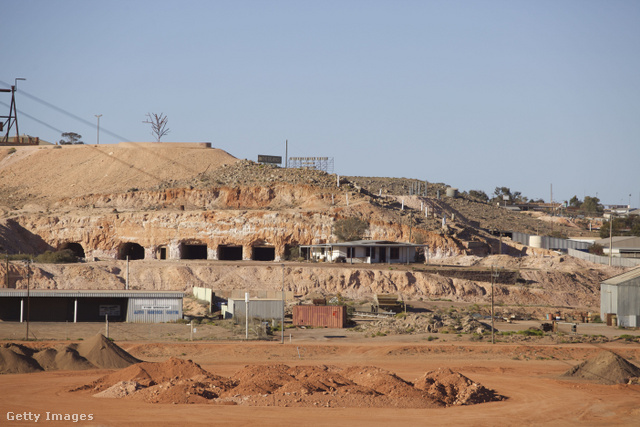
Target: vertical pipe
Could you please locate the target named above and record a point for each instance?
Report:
(282, 326)
(75, 311)
(28, 300)
(246, 308)
(21, 310)
(492, 315)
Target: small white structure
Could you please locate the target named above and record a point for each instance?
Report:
(620, 295)
(363, 251)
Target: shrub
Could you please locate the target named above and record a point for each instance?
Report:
(60, 257)
(531, 332)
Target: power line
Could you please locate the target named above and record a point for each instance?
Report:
(65, 112)
(34, 119)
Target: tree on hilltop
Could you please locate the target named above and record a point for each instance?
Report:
(158, 124)
(70, 138)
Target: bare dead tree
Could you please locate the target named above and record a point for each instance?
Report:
(158, 124)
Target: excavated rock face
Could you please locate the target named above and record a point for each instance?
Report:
(169, 223)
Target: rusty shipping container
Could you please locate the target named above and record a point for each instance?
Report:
(327, 316)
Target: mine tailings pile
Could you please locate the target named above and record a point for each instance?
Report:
(97, 352)
(605, 368)
(183, 381)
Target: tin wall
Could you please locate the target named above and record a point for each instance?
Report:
(327, 316)
(262, 309)
(154, 310)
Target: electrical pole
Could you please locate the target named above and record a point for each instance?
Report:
(283, 299)
(610, 238)
(28, 301)
(493, 329)
(98, 138)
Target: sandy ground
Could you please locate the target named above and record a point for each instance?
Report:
(527, 373)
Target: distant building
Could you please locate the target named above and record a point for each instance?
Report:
(362, 251)
(620, 296)
(23, 140)
(623, 246)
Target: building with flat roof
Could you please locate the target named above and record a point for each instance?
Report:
(362, 251)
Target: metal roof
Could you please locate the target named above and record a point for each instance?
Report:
(369, 243)
(621, 279)
(60, 293)
(621, 242)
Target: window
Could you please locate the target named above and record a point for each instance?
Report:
(394, 253)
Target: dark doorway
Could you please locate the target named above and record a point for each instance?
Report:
(383, 254)
(131, 250)
(74, 247)
(263, 253)
(162, 252)
(229, 253)
(194, 251)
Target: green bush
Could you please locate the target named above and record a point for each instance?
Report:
(531, 332)
(49, 257)
(60, 257)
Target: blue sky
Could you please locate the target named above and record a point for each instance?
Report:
(475, 94)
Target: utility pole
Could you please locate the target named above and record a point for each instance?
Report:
(283, 299)
(28, 301)
(98, 116)
(610, 238)
(494, 275)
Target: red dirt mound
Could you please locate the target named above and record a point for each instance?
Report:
(148, 374)
(606, 368)
(453, 388)
(182, 381)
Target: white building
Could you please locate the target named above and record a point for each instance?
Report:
(362, 251)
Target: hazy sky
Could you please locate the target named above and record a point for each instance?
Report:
(475, 94)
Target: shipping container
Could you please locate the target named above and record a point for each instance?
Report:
(324, 316)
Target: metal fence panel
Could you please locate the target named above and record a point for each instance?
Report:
(262, 309)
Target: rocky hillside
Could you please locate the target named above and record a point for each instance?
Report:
(104, 200)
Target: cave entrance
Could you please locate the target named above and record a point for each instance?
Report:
(132, 250)
(229, 253)
(74, 247)
(263, 253)
(194, 251)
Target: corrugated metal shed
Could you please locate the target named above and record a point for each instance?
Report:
(620, 295)
(91, 305)
(259, 308)
(323, 316)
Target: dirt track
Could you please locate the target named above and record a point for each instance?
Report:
(527, 373)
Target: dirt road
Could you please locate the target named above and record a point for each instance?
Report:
(527, 373)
